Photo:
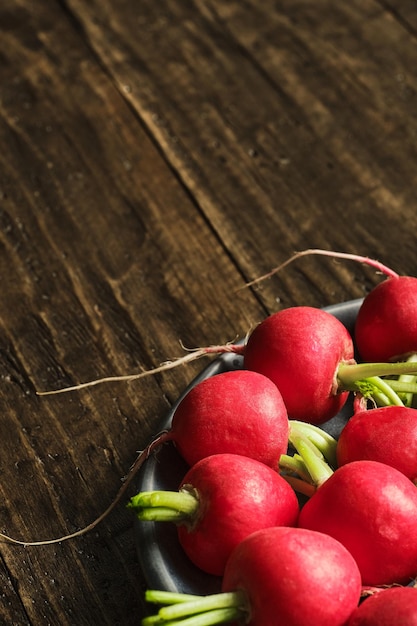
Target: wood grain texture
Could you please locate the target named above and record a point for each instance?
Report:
(155, 156)
(307, 138)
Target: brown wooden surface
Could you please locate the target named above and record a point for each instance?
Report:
(154, 157)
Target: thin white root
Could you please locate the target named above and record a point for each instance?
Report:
(140, 459)
(191, 356)
(330, 253)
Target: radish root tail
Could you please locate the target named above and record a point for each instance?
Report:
(192, 355)
(160, 439)
(330, 253)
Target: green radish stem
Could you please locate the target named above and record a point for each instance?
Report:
(314, 458)
(165, 506)
(189, 610)
(154, 596)
(348, 374)
(322, 440)
(318, 468)
(380, 390)
(365, 378)
(209, 618)
(294, 463)
(300, 485)
(403, 387)
(409, 378)
(310, 466)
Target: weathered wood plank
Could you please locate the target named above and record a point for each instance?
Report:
(404, 12)
(320, 128)
(155, 155)
(106, 263)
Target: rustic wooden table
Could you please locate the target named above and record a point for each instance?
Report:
(155, 157)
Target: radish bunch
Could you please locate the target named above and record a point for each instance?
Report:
(359, 490)
(356, 526)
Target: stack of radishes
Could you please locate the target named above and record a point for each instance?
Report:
(251, 436)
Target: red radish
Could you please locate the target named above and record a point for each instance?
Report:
(239, 412)
(371, 508)
(323, 575)
(300, 350)
(395, 606)
(221, 500)
(387, 434)
(279, 575)
(308, 353)
(386, 324)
